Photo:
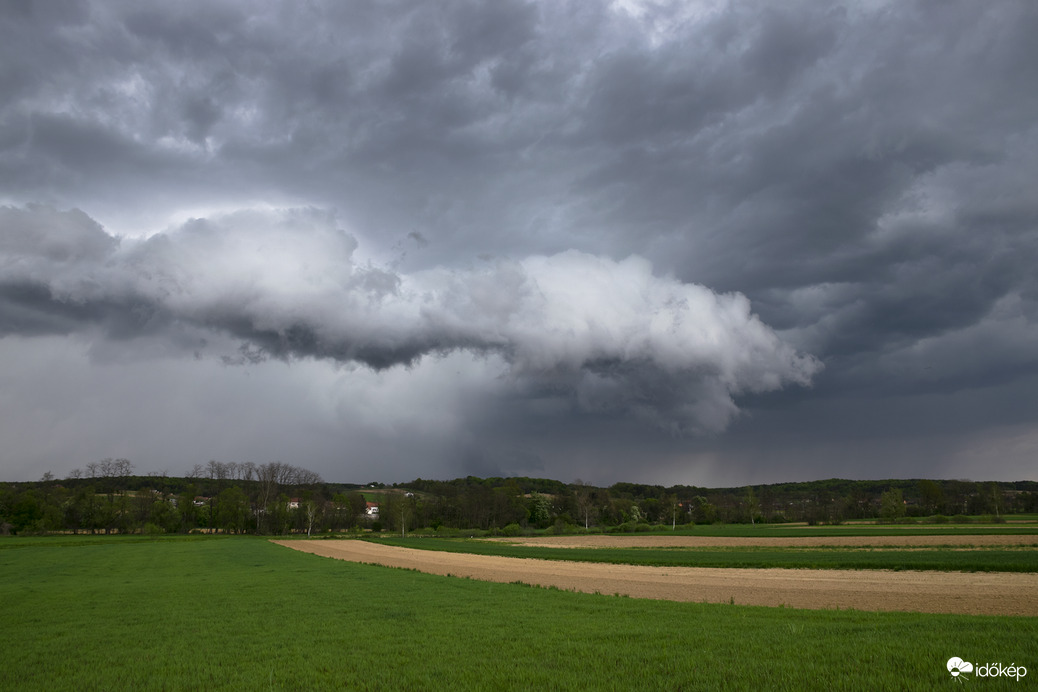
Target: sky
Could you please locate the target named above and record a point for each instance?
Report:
(705, 242)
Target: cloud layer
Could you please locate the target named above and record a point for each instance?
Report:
(384, 184)
(609, 335)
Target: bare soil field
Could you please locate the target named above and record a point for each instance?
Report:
(614, 541)
(928, 592)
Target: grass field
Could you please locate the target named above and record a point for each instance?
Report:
(241, 613)
(988, 559)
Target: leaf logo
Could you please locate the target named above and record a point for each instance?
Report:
(956, 666)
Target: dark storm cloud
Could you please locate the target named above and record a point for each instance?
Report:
(861, 172)
(610, 334)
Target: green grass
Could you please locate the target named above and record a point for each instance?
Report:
(994, 559)
(243, 614)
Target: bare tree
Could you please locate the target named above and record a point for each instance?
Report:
(216, 471)
(582, 498)
(313, 509)
(271, 477)
(306, 477)
(122, 468)
(246, 471)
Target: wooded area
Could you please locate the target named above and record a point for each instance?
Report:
(278, 498)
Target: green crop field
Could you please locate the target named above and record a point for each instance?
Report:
(960, 559)
(192, 613)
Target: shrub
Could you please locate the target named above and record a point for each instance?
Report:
(512, 529)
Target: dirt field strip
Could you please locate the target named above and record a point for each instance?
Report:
(613, 541)
(927, 592)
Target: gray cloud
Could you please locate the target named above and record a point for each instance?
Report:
(859, 172)
(610, 334)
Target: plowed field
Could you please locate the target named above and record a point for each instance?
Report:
(786, 542)
(984, 593)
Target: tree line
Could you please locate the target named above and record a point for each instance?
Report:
(279, 498)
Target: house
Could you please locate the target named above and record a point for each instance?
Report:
(371, 509)
(293, 503)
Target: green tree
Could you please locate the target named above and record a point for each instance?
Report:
(892, 504)
(26, 512)
(348, 508)
(931, 497)
(232, 510)
(143, 503)
(703, 512)
(186, 509)
(164, 515)
(752, 505)
(540, 510)
(651, 509)
(998, 500)
(278, 515)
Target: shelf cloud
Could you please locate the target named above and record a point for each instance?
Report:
(609, 334)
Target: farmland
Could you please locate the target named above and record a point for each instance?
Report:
(959, 554)
(243, 613)
(669, 573)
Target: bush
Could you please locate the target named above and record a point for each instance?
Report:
(512, 529)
